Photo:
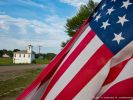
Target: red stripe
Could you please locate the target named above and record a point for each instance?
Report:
(51, 68)
(69, 60)
(88, 71)
(121, 89)
(114, 72)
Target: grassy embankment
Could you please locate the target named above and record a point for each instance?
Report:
(6, 61)
(42, 61)
(11, 88)
(9, 61)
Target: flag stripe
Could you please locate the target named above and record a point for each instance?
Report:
(75, 67)
(53, 65)
(121, 89)
(114, 72)
(85, 32)
(30, 95)
(88, 71)
(70, 59)
(91, 89)
(38, 94)
(122, 55)
(118, 61)
(126, 73)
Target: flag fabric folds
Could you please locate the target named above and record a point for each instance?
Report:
(97, 63)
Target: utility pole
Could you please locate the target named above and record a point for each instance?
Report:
(39, 49)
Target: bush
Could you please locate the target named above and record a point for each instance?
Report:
(34, 62)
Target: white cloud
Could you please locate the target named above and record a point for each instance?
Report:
(49, 32)
(77, 3)
(33, 3)
(3, 25)
(12, 43)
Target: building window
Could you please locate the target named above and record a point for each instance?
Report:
(29, 55)
(14, 55)
(19, 55)
(24, 55)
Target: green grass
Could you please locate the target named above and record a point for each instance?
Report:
(6, 61)
(13, 87)
(9, 61)
(42, 61)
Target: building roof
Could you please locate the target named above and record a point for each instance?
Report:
(23, 52)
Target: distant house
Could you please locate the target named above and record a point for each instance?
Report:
(5, 56)
(24, 56)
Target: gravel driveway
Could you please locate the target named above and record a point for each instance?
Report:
(8, 72)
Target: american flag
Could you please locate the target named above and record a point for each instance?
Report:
(97, 63)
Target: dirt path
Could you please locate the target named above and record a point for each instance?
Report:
(20, 67)
(8, 72)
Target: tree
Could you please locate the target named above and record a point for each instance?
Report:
(10, 53)
(4, 51)
(1, 53)
(50, 56)
(64, 43)
(76, 21)
(15, 50)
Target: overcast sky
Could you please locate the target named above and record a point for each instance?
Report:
(41, 21)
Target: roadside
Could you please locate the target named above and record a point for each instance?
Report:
(8, 72)
(14, 79)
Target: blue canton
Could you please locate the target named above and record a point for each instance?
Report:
(112, 21)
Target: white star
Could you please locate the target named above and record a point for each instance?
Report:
(118, 38)
(103, 6)
(105, 24)
(94, 15)
(122, 20)
(98, 17)
(110, 10)
(126, 4)
(113, 0)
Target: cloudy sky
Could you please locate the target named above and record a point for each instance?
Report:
(39, 21)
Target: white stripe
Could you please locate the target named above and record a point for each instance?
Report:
(77, 42)
(123, 55)
(126, 73)
(89, 91)
(75, 67)
(86, 31)
(37, 92)
(83, 35)
(93, 86)
(30, 95)
(72, 49)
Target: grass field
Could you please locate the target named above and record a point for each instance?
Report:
(6, 61)
(11, 88)
(42, 61)
(9, 61)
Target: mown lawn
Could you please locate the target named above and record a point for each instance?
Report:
(42, 61)
(6, 61)
(9, 61)
(11, 88)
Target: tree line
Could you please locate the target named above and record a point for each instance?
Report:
(73, 24)
(48, 56)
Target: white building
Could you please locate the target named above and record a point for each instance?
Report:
(24, 56)
(5, 56)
